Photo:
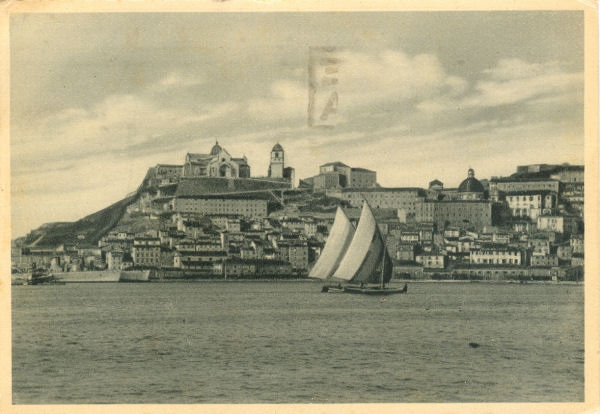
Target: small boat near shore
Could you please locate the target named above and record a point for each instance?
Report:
(40, 276)
(355, 261)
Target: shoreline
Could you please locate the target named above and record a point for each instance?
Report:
(393, 283)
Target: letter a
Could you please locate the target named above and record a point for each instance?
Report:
(331, 107)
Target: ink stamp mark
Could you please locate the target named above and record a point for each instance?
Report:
(323, 67)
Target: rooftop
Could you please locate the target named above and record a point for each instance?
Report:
(383, 190)
(334, 163)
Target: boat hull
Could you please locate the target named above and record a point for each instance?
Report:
(374, 291)
(332, 289)
(364, 290)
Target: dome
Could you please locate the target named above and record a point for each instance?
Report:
(215, 149)
(471, 184)
(277, 147)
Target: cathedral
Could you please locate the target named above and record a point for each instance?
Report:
(218, 163)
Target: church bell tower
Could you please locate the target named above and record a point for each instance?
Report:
(277, 161)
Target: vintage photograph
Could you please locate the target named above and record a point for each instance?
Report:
(297, 207)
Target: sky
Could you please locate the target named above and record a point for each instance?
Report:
(97, 99)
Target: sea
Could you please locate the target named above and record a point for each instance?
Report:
(286, 342)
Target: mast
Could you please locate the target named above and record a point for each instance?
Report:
(381, 284)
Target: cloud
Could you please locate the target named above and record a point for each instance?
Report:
(286, 99)
(513, 81)
(119, 123)
(379, 81)
(177, 80)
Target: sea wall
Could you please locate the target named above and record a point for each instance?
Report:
(95, 276)
(134, 276)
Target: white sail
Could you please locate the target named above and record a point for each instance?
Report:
(365, 253)
(338, 241)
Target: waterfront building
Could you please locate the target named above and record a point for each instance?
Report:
(405, 269)
(198, 260)
(238, 268)
(499, 272)
(114, 259)
(431, 260)
(497, 255)
(146, 251)
(295, 252)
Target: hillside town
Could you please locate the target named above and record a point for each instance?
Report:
(209, 218)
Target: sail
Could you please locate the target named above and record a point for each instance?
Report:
(338, 241)
(366, 255)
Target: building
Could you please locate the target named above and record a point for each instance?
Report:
(165, 174)
(146, 251)
(277, 163)
(335, 167)
(277, 168)
(329, 181)
(512, 185)
(431, 260)
(404, 252)
(114, 259)
(464, 214)
(395, 198)
(497, 255)
(577, 243)
(337, 175)
(361, 178)
(559, 224)
(573, 193)
(436, 185)
(535, 168)
(471, 188)
(547, 260)
(256, 268)
(220, 205)
(407, 270)
(217, 163)
(531, 203)
(569, 174)
(195, 260)
(295, 252)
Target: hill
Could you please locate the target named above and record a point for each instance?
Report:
(87, 230)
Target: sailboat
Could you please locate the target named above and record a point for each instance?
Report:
(355, 261)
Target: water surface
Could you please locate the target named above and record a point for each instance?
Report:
(285, 342)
